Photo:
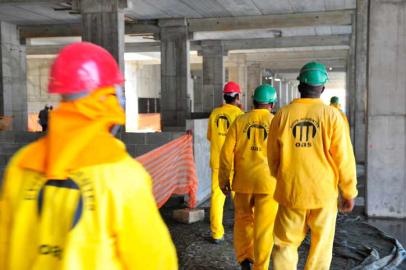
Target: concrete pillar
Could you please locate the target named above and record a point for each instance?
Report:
(254, 78)
(350, 85)
(386, 122)
(13, 77)
(281, 97)
(237, 72)
(103, 24)
(175, 74)
(290, 91)
(361, 60)
(213, 73)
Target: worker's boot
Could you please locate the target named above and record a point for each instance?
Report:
(245, 265)
(217, 241)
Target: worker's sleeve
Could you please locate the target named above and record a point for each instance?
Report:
(143, 238)
(274, 147)
(227, 155)
(209, 129)
(5, 223)
(343, 155)
(9, 191)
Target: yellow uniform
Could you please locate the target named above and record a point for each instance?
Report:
(311, 156)
(245, 148)
(338, 107)
(219, 122)
(101, 217)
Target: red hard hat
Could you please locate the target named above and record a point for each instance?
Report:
(82, 67)
(232, 87)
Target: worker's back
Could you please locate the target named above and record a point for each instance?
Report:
(248, 136)
(101, 217)
(308, 144)
(220, 121)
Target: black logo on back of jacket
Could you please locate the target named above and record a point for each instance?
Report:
(251, 129)
(223, 123)
(304, 131)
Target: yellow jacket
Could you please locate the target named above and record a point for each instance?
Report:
(310, 154)
(246, 147)
(220, 121)
(102, 217)
(338, 107)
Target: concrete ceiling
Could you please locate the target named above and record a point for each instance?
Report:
(152, 9)
(29, 12)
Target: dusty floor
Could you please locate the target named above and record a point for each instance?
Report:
(355, 241)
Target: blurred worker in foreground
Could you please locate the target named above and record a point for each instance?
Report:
(245, 148)
(75, 199)
(335, 102)
(219, 122)
(311, 156)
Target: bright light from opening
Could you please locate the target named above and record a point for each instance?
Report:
(277, 80)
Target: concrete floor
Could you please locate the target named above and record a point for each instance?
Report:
(353, 242)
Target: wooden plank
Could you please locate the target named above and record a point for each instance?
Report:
(342, 17)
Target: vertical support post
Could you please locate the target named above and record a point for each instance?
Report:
(175, 74)
(213, 73)
(13, 77)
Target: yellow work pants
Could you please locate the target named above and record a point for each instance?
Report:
(291, 226)
(253, 228)
(216, 206)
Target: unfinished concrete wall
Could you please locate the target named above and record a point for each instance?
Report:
(37, 84)
(13, 87)
(386, 127)
(137, 143)
(201, 149)
(149, 81)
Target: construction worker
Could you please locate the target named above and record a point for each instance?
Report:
(75, 199)
(245, 148)
(311, 156)
(335, 102)
(220, 121)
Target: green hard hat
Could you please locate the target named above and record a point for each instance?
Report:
(334, 100)
(265, 94)
(313, 73)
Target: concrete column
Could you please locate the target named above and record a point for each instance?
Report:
(103, 24)
(290, 91)
(285, 86)
(237, 72)
(213, 73)
(386, 126)
(13, 77)
(350, 85)
(361, 59)
(281, 97)
(254, 78)
(175, 74)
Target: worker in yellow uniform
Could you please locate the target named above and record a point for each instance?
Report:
(311, 156)
(75, 199)
(245, 148)
(220, 121)
(335, 102)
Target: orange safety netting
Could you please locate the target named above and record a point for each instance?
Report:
(173, 170)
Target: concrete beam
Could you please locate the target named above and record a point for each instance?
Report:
(287, 42)
(258, 43)
(298, 55)
(292, 65)
(29, 1)
(342, 17)
(75, 30)
(54, 30)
